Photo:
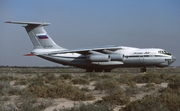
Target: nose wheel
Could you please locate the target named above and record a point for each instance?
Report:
(143, 69)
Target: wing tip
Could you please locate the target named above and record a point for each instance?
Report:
(8, 22)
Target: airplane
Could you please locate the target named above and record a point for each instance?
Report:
(98, 59)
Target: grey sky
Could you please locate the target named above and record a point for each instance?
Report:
(85, 23)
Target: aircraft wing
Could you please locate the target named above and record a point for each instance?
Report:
(86, 51)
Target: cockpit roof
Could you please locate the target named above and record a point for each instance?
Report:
(163, 52)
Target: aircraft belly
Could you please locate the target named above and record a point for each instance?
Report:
(151, 61)
(81, 62)
(141, 62)
(131, 61)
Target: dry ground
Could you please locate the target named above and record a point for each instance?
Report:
(21, 87)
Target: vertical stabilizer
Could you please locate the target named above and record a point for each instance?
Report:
(38, 36)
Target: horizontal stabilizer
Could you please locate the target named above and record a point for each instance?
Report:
(31, 23)
(37, 34)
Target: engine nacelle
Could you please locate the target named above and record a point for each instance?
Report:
(116, 57)
(98, 58)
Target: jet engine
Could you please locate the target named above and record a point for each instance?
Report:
(98, 58)
(116, 57)
(104, 57)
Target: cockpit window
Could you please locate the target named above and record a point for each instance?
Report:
(164, 52)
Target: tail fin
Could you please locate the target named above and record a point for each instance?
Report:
(38, 36)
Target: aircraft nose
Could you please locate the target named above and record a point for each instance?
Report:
(173, 58)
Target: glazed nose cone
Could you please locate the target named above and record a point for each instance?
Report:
(173, 58)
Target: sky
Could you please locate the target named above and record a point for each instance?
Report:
(89, 23)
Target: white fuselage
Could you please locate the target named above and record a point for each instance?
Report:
(132, 57)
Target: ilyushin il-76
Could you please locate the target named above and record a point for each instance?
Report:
(96, 59)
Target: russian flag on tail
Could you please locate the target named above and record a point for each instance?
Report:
(44, 36)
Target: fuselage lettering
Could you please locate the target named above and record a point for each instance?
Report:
(138, 52)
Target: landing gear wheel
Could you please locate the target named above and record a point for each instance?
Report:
(98, 70)
(107, 70)
(89, 70)
(143, 69)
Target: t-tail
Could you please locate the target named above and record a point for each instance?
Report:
(39, 37)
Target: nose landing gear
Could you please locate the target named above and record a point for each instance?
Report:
(143, 69)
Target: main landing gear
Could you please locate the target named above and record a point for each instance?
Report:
(143, 69)
(98, 70)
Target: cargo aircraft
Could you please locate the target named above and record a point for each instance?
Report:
(96, 59)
